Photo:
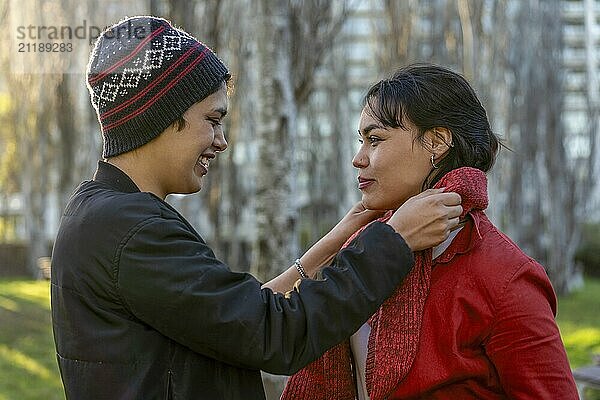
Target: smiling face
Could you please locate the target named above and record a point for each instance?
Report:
(182, 157)
(392, 165)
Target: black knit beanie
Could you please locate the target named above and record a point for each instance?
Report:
(143, 74)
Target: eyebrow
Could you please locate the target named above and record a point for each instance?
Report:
(365, 131)
(222, 111)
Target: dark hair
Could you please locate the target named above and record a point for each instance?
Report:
(180, 123)
(430, 97)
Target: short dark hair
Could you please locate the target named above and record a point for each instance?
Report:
(180, 123)
(432, 96)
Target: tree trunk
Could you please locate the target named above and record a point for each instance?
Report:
(67, 143)
(275, 213)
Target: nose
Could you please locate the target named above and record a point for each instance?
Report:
(220, 143)
(360, 160)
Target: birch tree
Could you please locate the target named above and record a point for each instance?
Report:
(275, 213)
(305, 32)
(541, 179)
(591, 165)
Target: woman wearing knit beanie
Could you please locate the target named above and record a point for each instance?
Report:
(141, 306)
(474, 319)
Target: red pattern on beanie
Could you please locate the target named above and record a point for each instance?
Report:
(395, 327)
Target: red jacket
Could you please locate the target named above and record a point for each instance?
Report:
(488, 326)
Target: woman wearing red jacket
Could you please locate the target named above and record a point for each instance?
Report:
(475, 317)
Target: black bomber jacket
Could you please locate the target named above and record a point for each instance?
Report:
(142, 308)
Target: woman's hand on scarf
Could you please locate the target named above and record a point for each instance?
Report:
(426, 219)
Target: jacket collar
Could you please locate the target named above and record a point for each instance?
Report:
(466, 239)
(112, 176)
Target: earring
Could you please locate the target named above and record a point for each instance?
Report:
(433, 162)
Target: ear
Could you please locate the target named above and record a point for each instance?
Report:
(439, 141)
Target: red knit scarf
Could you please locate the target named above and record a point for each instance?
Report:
(395, 326)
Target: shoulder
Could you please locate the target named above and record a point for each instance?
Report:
(95, 201)
(497, 248)
(498, 265)
(107, 216)
(497, 255)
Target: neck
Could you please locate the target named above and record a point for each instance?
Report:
(140, 173)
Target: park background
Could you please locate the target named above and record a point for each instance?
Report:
(299, 70)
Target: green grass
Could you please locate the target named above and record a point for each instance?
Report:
(27, 360)
(28, 363)
(578, 318)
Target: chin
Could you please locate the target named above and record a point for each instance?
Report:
(380, 204)
(371, 203)
(195, 189)
(195, 184)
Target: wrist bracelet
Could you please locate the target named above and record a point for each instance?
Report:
(300, 268)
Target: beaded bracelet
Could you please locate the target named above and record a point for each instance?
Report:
(300, 268)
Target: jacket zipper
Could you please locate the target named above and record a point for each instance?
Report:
(169, 386)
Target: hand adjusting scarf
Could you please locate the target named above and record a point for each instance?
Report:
(395, 326)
